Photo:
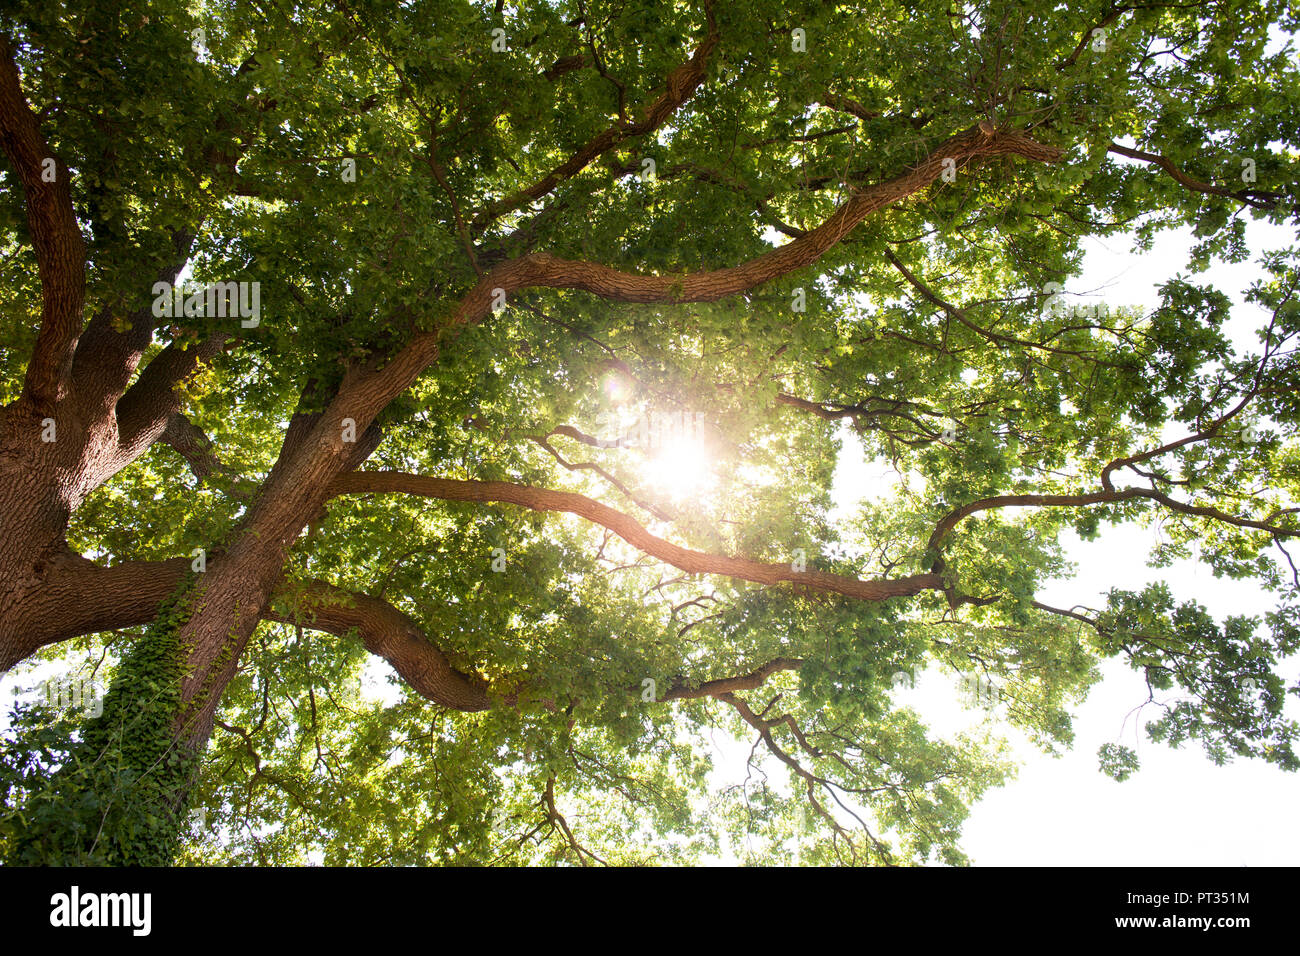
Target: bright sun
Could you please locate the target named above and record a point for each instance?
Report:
(680, 468)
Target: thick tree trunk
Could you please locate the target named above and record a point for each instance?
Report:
(41, 484)
(133, 769)
(231, 596)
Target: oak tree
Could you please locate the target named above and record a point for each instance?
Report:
(515, 346)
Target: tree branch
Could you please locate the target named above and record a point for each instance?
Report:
(79, 596)
(680, 86)
(385, 631)
(727, 685)
(192, 444)
(106, 358)
(693, 562)
(371, 388)
(145, 409)
(1256, 198)
(60, 247)
(950, 520)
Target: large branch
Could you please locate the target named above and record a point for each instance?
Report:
(82, 597)
(107, 356)
(680, 690)
(680, 86)
(541, 269)
(392, 635)
(79, 597)
(149, 404)
(60, 247)
(193, 445)
(371, 389)
(692, 562)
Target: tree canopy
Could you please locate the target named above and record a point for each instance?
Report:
(515, 346)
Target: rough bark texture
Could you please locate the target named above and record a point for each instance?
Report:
(392, 635)
(233, 594)
(56, 238)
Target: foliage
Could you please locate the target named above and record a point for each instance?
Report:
(927, 339)
(129, 776)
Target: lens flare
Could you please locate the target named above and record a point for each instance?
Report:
(681, 469)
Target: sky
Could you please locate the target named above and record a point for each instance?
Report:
(1179, 808)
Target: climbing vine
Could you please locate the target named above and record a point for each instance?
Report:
(110, 790)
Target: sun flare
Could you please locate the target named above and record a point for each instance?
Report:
(682, 469)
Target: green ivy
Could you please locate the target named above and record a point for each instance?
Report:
(119, 790)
